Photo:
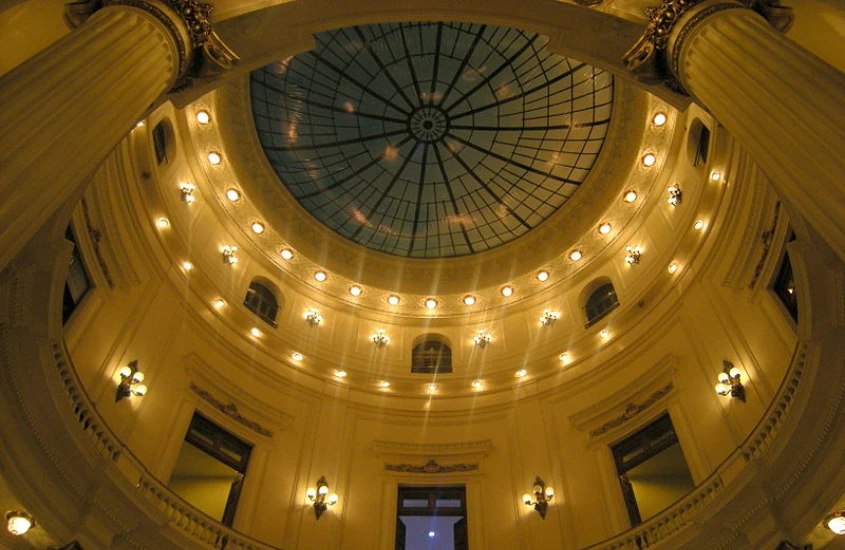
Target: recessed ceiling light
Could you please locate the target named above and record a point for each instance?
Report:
(257, 227)
(140, 124)
(477, 384)
(605, 228)
(575, 255)
(699, 224)
(564, 358)
(521, 373)
(393, 300)
(214, 158)
(659, 119)
(163, 222)
(630, 196)
(286, 253)
(340, 373)
(219, 303)
(604, 334)
(187, 266)
(203, 117)
(649, 159)
(673, 267)
(321, 276)
(432, 387)
(256, 332)
(543, 276)
(384, 384)
(296, 356)
(507, 291)
(469, 300)
(431, 303)
(355, 290)
(715, 175)
(233, 195)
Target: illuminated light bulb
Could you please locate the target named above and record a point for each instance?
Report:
(431, 303)
(722, 388)
(836, 522)
(507, 291)
(323, 490)
(332, 500)
(140, 390)
(393, 300)
(521, 373)
(649, 159)
(233, 195)
(564, 358)
(125, 371)
(431, 534)
(469, 300)
(230, 254)
(320, 276)
(575, 255)
(286, 253)
(543, 276)
(163, 222)
(477, 384)
(659, 119)
(384, 384)
(203, 117)
(19, 523)
(630, 196)
(339, 374)
(605, 228)
(604, 334)
(296, 356)
(527, 500)
(432, 387)
(734, 372)
(355, 290)
(140, 124)
(187, 266)
(673, 267)
(256, 332)
(699, 224)
(257, 228)
(215, 158)
(715, 176)
(311, 493)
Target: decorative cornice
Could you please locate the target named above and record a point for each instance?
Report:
(431, 467)
(231, 410)
(633, 410)
(767, 237)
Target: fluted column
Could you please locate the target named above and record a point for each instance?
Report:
(784, 104)
(62, 111)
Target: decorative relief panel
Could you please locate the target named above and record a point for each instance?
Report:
(431, 467)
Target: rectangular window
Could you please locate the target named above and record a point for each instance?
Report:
(210, 470)
(160, 143)
(77, 282)
(431, 517)
(784, 287)
(652, 471)
(703, 147)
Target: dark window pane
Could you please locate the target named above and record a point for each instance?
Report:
(261, 301)
(600, 303)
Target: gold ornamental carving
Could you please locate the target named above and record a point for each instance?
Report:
(648, 58)
(430, 467)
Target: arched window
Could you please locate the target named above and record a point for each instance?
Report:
(164, 142)
(262, 301)
(601, 301)
(431, 355)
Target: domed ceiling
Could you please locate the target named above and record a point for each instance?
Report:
(431, 140)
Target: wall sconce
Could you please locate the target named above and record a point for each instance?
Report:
(482, 338)
(676, 196)
(130, 382)
(549, 317)
(542, 497)
(18, 523)
(380, 338)
(313, 317)
(633, 256)
(320, 496)
(187, 190)
(230, 254)
(836, 522)
(730, 381)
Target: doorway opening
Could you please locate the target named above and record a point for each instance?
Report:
(431, 518)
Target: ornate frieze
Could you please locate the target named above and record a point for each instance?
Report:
(431, 467)
(632, 410)
(231, 410)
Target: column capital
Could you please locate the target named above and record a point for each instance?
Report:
(201, 51)
(652, 59)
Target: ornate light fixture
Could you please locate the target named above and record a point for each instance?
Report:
(482, 338)
(230, 254)
(676, 196)
(320, 496)
(542, 497)
(633, 255)
(730, 381)
(130, 382)
(187, 190)
(549, 317)
(836, 522)
(313, 317)
(18, 523)
(380, 338)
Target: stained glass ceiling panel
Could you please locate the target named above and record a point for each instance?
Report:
(431, 140)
